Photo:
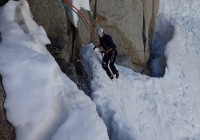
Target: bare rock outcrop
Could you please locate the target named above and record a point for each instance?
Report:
(2, 2)
(51, 15)
(131, 24)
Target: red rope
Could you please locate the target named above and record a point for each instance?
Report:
(81, 14)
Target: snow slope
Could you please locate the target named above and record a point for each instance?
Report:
(41, 102)
(137, 107)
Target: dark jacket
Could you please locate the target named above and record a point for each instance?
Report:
(106, 42)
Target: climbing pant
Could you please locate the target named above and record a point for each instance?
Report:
(110, 57)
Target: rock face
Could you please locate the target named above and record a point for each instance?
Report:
(51, 15)
(120, 23)
(65, 39)
(7, 131)
(2, 2)
(130, 23)
(149, 13)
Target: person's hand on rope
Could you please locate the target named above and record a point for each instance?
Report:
(102, 51)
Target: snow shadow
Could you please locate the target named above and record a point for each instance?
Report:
(20, 20)
(163, 33)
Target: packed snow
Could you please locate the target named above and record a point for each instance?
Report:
(41, 102)
(138, 107)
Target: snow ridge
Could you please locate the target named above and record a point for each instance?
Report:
(41, 102)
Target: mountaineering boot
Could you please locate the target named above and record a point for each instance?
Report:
(117, 75)
(111, 77)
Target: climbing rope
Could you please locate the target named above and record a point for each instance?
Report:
(80, 15)
(91, 30)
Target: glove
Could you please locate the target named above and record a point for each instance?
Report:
(102, 51)
(94, 48)
(106, 52)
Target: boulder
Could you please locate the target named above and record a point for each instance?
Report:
(2, 2)
(52, 16)
(124, 22)
(130, 23)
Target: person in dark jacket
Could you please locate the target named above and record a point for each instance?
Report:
(109, 51)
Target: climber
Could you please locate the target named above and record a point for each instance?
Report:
(0, 37)
(109, 51)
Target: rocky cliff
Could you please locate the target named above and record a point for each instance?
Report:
(131, 24)
(51, 15)
(2, 2)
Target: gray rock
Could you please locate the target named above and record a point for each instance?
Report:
(2, 2)
(130, 23)
(150, 11)
(84, 33)
(51, 15)
(123, 20)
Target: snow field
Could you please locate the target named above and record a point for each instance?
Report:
(43, 103)
(139, 107)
